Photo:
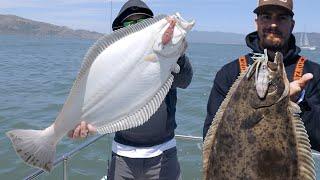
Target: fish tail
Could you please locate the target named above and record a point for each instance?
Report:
(35, 147)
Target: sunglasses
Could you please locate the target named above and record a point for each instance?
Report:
(127, 23)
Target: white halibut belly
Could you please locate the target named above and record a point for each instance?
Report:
(121, 82)
(126, 97)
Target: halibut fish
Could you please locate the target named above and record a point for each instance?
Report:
(257, 133)
(123, 80)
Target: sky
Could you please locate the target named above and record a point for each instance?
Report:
(211, 15)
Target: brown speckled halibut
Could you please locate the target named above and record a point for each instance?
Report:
(254, 138)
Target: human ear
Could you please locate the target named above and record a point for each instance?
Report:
(256, 23)
(292, 24)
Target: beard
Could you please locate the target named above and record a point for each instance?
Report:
(272, 40)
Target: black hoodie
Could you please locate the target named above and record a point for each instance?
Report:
(310, 105)
(129, 8)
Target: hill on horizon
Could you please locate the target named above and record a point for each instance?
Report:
(15, 25)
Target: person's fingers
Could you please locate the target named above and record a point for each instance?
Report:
(83, 129)
(76, 132)
(298, 85)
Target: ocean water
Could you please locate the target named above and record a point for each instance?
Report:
(36, 75)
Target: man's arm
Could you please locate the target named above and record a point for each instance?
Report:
(222, 83)
(184, 77)
(310, 107)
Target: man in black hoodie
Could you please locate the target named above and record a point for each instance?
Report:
(148, 151)
(274, 32)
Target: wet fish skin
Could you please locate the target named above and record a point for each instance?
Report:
(258, 138)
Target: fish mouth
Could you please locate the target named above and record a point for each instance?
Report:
(276, 65)
(265, 70)
(272, 89)
(272, 66)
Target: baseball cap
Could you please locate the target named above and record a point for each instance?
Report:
(286, 4)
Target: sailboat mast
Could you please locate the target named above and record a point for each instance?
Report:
(306, 40)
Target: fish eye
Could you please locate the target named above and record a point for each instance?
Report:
(272, 88)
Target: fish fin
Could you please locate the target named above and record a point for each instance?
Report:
(294, 108)
(306, 165)
(33, 147)
(207, 145)
(151, 58)
(210, 136)
(140, 116)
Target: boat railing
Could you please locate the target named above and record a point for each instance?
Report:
(67, 156)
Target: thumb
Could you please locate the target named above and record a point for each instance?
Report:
(297, 85)
(304, 79)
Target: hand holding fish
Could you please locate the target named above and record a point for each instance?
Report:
(298, 85)
(82, 131)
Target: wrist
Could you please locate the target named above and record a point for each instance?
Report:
(298, 98)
